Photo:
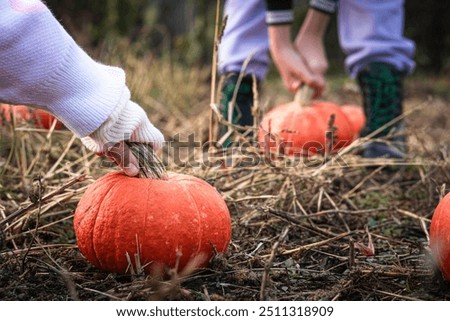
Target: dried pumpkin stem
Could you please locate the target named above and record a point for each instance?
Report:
(303, 96)
(150, 166)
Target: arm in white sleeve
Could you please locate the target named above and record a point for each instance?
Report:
(41, 65)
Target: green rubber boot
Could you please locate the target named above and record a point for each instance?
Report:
(242, 109)
(382, 88)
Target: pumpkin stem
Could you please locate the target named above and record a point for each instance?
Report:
(150, 166)
(303, 96)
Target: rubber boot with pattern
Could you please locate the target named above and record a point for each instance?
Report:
(381, 86)
(242, 109)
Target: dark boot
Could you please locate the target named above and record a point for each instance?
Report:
(242, 109)
(381, 85)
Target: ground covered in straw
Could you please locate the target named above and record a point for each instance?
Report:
(326, 229)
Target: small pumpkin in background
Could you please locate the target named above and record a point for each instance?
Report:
(440, 236)
(40, 117)
(300, 128)
(124, 222)
(356, 116)
(19, 112)
(45, 120)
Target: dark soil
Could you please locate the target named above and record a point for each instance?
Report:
(299, 233)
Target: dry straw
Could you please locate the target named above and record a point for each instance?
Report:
(298, 225)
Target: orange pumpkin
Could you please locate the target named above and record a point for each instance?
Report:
(355, 115)
(45, 119)
(21, 113)
(295, 130)
(154, 219)
(440, 236)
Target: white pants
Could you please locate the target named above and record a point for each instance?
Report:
(369, 31)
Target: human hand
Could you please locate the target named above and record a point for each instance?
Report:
(310, 46)
(292, 67)
(129, 123)
(312, 52)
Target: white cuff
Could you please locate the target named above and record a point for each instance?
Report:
(128, 122)
(277, 17)
(327, 6)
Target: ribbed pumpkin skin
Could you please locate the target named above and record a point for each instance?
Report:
(355, 115)
(302, 131)
(440, 236)
(183, 213)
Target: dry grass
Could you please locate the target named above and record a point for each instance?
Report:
(304, 231)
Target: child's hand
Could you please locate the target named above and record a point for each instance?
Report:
(309, 44)
(126, 124)
(312, 51)
(122, 156)
(292, 67)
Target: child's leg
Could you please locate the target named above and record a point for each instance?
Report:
(378, 55)
(244, 48)
(372, 31)
(382, 89)
(245, 37)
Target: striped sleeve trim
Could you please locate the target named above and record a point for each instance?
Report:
(279, 17)
(327, 6)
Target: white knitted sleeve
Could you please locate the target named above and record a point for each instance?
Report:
(41, 65)
(127, 122)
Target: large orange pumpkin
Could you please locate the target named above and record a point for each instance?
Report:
(120, 216)
(440, 236)
(302, 130)
(355, 115)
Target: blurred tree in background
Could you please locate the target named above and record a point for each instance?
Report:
(427, 23)
(184, 28)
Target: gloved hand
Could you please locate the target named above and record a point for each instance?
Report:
(128, 122)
